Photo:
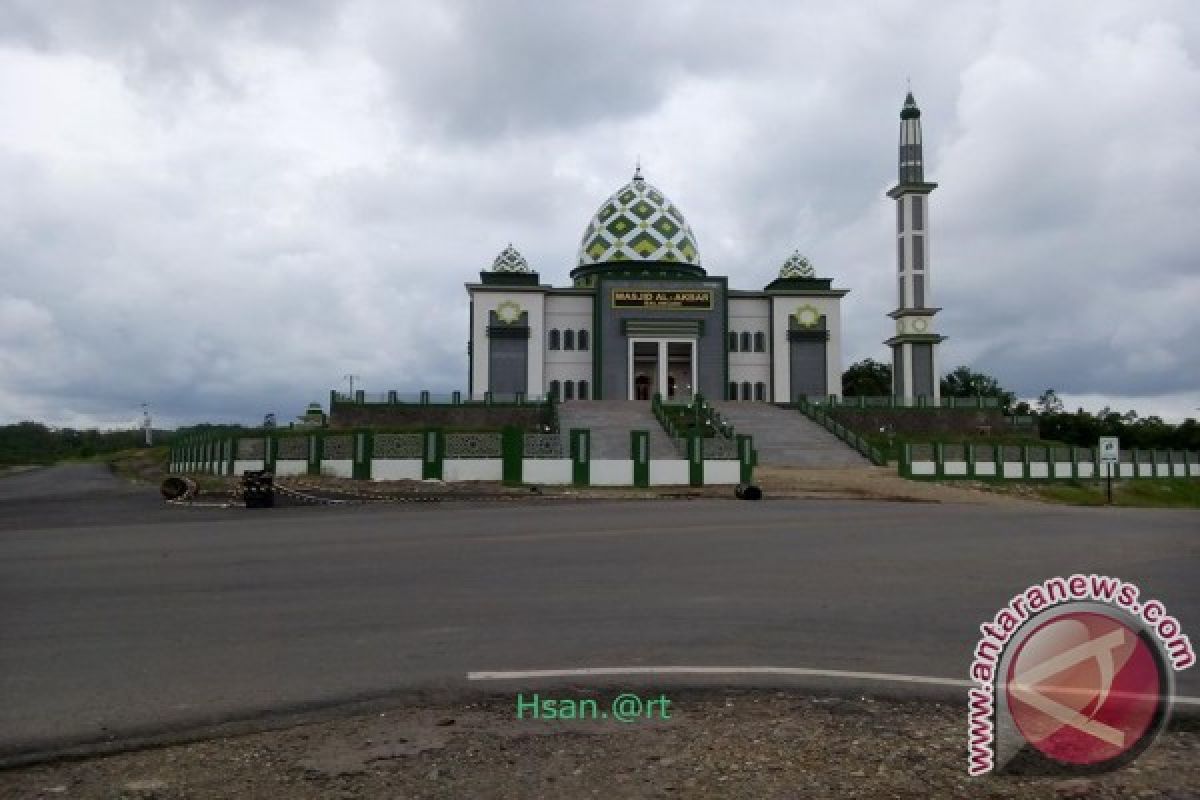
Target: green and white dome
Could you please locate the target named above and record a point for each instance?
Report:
(638, 224)
(510, 260)
(797, 266)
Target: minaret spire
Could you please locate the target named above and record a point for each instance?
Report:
(912, 160)
(914, 347)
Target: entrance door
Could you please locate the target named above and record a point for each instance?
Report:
(645, 370)
(662, 366)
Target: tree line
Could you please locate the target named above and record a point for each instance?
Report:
(870, 378)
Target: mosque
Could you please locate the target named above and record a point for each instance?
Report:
(643, 316)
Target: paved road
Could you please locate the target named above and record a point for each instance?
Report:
(112, 627)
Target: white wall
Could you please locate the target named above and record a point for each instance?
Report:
(241, 465)
(289, 467)
(782, 307)
(531, 300)
(669, 473)
(473, 469)
(722, 471)
(550, 471)
(338, 467)
(612, 472)
(568, 312)
(396, 469)
(752, 315)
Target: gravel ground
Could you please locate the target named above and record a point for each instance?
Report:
(730, 743)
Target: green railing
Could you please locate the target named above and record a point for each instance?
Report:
(817, 413)
(833, 401)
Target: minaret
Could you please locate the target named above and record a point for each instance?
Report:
(914, 347)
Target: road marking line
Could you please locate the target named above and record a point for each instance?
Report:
(882, 677)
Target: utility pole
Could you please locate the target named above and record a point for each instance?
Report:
(147, 425)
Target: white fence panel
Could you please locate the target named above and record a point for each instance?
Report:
(672, 472)
(473, 469)
(612, 472)
(550, 471)
(396, 469)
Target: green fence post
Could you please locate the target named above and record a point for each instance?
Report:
(939, 460)
(639, 451)
(905, 466)
(998, 457)
(969, 450)
(316, 449)
(512, 444)
(745, 447)
(456, 398)
(232, 454)
(581, 456)
(270, 450)
(695, 451)
(433, 454)
(364, 450)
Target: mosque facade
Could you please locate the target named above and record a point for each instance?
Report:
(644, 317)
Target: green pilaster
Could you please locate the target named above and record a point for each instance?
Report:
(434, 457)
(581, 456)
(316, 450)
(364, 451)
(746, 458)
(512, 445)
(695, 459)
(639, 451)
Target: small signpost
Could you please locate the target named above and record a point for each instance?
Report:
(1110, 454)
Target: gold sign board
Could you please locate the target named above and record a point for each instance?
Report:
(662, 298)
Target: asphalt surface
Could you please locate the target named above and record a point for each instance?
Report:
(120, 617)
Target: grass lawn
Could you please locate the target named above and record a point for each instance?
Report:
(1143, 493)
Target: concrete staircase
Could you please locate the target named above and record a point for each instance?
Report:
(786, 438)
(610, 422)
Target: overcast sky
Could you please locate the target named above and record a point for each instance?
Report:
(220, 208)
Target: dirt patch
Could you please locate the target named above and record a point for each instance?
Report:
(873, 483)
(733, 743)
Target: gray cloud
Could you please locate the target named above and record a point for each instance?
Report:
(221, 208)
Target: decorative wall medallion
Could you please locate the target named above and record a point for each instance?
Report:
(807, 316)
(508, 312)
(920, 325)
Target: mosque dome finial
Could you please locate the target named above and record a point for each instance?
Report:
(638, 224)
(797, 266)
(510, 260)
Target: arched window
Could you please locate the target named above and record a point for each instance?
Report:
(553, 339)
(582, 341)
(554, 389)
(583, 386)
(746, 387)
(568, 389)
(733, 349)
(760, 342)
(568, 339)
(732, 387)
(760, 391)
(747, 342)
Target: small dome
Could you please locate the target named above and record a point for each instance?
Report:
(797, 266)
(638, 223)
(510, 260)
